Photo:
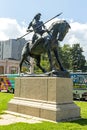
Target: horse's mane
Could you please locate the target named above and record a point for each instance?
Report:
(58, 23)
(54, 23)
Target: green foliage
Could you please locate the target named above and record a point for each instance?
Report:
(72, 57)
(66, 56)
(80, 86)
(24, 69)
(4, 98)
(78, 60)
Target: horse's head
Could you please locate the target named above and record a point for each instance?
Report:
(59, 29)
(63, 30)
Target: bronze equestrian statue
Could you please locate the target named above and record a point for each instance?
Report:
(46, 42)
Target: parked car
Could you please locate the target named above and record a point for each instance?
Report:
(80, 94)
(84, 96)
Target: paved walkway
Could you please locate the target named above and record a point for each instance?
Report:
(10, 118)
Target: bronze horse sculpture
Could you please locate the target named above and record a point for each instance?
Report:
(57, 31)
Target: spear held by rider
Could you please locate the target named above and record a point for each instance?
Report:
(29, 31)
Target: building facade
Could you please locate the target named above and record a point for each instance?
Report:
(9, 66)
(11, 49)
(10, 55)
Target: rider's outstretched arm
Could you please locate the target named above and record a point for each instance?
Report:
(30, 25)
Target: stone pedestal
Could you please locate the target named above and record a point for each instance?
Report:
(50, 98)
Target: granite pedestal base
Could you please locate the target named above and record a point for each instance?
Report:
(50, 98)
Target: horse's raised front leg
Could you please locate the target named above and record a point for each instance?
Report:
(58, 60)
(38, 59)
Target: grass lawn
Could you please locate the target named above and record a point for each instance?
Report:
(80, 124)
(4, 98)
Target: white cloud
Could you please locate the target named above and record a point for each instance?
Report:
(10, 28)
(77, 34)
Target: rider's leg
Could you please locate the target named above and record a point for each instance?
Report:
(35, 37)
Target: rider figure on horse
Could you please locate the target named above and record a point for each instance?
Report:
(38, 27)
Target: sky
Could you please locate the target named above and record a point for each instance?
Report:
(15, 16)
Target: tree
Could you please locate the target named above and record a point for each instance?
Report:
(66, 56)
(78, 59)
